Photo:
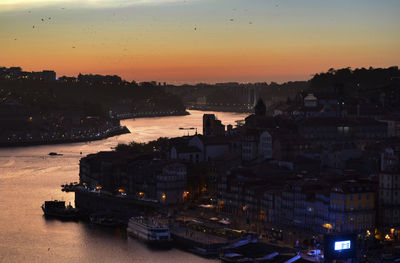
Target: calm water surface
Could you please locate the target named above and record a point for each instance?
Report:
(28, 176)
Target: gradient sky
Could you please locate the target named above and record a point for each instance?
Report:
(199, 40)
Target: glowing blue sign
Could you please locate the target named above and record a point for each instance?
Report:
(341, 245)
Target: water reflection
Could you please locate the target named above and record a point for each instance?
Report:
(28, 176)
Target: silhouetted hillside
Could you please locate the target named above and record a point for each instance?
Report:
(353, 81)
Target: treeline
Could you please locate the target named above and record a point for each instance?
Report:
(159, 145)
(353, 81)
(236, 93)
(91, 97)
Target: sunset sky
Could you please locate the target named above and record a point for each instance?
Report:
(199, 40)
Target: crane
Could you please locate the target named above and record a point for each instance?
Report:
(188, 129)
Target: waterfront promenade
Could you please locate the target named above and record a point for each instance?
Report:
(110, 132)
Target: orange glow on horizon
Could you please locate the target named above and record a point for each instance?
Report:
(196, 42)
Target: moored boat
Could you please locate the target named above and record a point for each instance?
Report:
(149, 231)
(54, 154)
(103, 220)
(200, 243)
(58, 209)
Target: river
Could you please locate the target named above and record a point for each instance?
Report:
(28, 176)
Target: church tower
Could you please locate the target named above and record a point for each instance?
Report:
(260, 109)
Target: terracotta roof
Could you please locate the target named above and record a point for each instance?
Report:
(333, 121)
(288, 137)
(227, 157)
(213, 140)
(353, 186)
(186, 149)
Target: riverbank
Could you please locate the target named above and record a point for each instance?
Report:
(222, 109)
(29, 176)
(190, 230)
(87, 138)
(131, 115)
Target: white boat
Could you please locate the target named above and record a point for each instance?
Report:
(149, 231)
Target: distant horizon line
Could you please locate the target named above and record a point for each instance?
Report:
(182, 83)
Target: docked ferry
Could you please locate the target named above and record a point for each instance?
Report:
(149, 231)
